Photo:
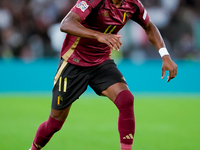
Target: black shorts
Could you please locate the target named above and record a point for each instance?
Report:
(71, 81)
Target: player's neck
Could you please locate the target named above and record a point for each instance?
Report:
(117, 3)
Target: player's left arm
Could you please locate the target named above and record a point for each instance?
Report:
(156, 39)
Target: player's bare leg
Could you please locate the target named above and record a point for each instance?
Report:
(49, 127)
(60, 114)
(123, 99)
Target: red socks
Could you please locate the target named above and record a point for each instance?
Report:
(126, 121)
(126, 124)
(45, 132)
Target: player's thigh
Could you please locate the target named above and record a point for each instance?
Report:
(70, 84)
(109, 81)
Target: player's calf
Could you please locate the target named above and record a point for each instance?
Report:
(45, 132)
(126, 121)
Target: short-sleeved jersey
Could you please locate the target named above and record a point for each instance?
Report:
(104, 17)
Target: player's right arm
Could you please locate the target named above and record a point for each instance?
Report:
(71, 25)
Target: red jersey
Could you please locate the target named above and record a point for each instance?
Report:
(106, 19)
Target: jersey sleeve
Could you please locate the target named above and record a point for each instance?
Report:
(141, 16)
(84, 7)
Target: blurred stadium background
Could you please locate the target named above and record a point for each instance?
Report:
(167, 113)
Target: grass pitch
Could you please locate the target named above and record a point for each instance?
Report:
(163, 122)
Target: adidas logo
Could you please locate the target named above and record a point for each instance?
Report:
(37, 146)
(130, 136)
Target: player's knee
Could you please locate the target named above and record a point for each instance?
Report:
(124, 99)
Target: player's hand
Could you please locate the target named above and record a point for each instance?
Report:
(169, 65)
(112, 40)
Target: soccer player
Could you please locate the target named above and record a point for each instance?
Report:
(92, 27)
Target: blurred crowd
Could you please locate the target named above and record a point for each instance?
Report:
(29, 29)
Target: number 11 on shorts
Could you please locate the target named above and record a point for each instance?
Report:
(65, 84)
